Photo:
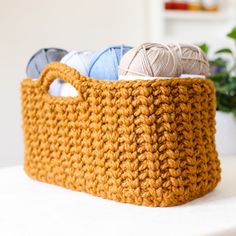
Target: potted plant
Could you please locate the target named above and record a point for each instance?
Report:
(223, 75)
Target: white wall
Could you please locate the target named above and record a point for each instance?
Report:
(27, 25)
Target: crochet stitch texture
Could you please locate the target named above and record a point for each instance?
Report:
(145, 142)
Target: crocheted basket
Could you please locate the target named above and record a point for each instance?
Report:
(146, 142)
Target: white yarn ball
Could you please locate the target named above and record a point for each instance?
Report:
(78, 60)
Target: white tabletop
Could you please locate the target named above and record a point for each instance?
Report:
(28, 207)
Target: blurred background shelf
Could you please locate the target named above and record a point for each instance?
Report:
(195, 15)
(191, 26)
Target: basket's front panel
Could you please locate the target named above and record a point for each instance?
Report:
(148, 142)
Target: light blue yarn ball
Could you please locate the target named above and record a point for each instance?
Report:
(104, 63)
(78, 60)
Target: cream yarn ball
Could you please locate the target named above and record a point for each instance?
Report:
(164, 60)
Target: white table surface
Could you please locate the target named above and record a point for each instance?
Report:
(28, 207)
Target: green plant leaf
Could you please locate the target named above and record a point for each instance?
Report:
(226, 102)
(226, 89)
(224, 77)
(232, 34)
(223, 108)
(219, 62)
(217, 77)
(220, 77)
(224, 50)
(234, 111)
(204, 47)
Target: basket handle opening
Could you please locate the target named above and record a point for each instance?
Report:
(54, 73)
(67, 90)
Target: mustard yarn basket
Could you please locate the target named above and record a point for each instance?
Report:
(145, 142)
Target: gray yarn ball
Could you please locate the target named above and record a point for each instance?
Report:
(41, 58)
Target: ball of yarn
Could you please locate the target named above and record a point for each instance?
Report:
(104, 63)
(164, 60)
(194, 60)
(78, 60)
(41, 58)
(151, 59)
